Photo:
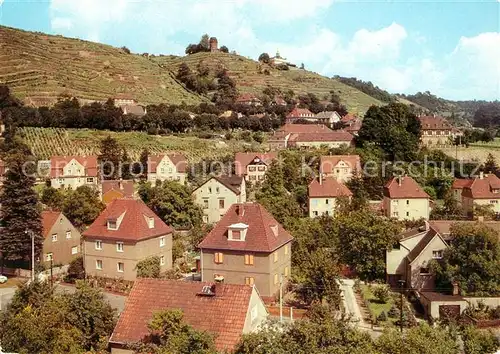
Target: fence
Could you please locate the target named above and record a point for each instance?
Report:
(288, 312)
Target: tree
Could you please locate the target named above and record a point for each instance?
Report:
(382, 293)
(320, 279)
(142, 169)
(450, 210)
(488, 115)
(149, 267)
(53, 198)
(393, 128)
(472, 260)
(82, 206)
(126, 166)
(490, 166)
(20, 212)
(110, 158)
(302, 66)
(478, 341)
(224, 49)
(205, 42)
(170, 334)
(264, 57)
(363, 239)
(76, 270)
(173, 203)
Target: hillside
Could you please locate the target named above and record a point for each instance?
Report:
(39, 67)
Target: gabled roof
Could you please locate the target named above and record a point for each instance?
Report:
(422, 244)
(305, 128)
(299, 113)
(222, 314)
(434, 123)
(179, 161)
(279, 101)
(403, 187)
(124, 186)
(243, 159)
(133, 109)
(49, 218)
(483, 188)
(348, 117)
(460, 183)
(327, 115)
(133, 226)
(444, 226)
(328, 163)
(233, 182)
(259, 235)
(329, 187)
(57, 164)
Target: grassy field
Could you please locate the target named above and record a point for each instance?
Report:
(375, 306)
(39, 67)
(475, 152)
(46, 142)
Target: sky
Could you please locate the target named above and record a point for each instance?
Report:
(450, 48)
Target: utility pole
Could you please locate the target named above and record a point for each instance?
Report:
(401, 285)
(281, 298)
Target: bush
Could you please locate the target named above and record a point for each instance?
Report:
(258, 137)
(229, 136)
(126, 50)
(382, 317)
(247, 136)
(382, 293)
(178, 248)
(393, 312)
(149, 267)
(76, 270)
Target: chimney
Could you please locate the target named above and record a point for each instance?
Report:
(481, 175)
(320, 178)
(120, 184)
(240, 209)
(456, 288)
(399, 180)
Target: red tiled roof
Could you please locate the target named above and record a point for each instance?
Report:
(483, 188)
(259, 237)
(444, 226)
(337, 135)
(177, 159)
(355, 126)
(279, 101)
(300, 113)
(329, 187)
(124, 186)
(243, 159)
(57, 164)
(408, 188)
(305, 128)
(133, 227)
(460, 183)
(348, 117)
(223, 314)
(49, 218)
(328, 163)
(433, 123)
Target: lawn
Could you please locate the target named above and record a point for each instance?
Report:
(375, 306)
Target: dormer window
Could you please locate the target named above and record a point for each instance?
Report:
(237, 232)
(112, 224)
(151, 223)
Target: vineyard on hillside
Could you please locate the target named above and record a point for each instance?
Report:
(46, 142)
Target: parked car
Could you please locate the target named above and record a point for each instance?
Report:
(3, 279)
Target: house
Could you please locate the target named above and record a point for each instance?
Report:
(327, 117)
(436, 131)
(323, 195)
(124, 99)
(116, 189)
(247, 246)
(278, 60)
(248, 99)
(135, 110)
(409, 258)
(126, 232)
(482, 190)
(299, 114)
(436, 305)
(252, 165)
(349, 119)
(227, 311)
(61, 239)
(171, 166)
(458, 186)
(278, 101)
(354, 127)
(340, 167)
(73, 171)
(404, 199)
(217, 195)
(309, 135)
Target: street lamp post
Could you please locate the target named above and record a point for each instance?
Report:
(32, 253)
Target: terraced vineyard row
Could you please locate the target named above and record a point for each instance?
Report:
(46, 142)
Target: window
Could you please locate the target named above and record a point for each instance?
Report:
(217, 190)
(162, 260)
(251, 169)
(407, 213)
(98, 245)
(162, 170)
(424, 270)
(205, 203)
(262, 168)
(275, 256)
(112, 225)
(98, 264)
(275, 279)
(170, 170)
(221, 203)
(315, 213)
(54, 237)
(162, 241)
(68, 234)
(205, 218)
(90, 180)
(119, 247)
(249, 281)
(286, 250)
(151, 222)
(120, 267)
(49, 257)
(260, 177)
(286, 271)
(437, 254)
(235, 235)
(493, 201)
(74, 250)
(395, 213)
(254, 313)
(218, 258)
(210, 190)
(253, 178)
(326, 201)
(248, 259)
(407, 202)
